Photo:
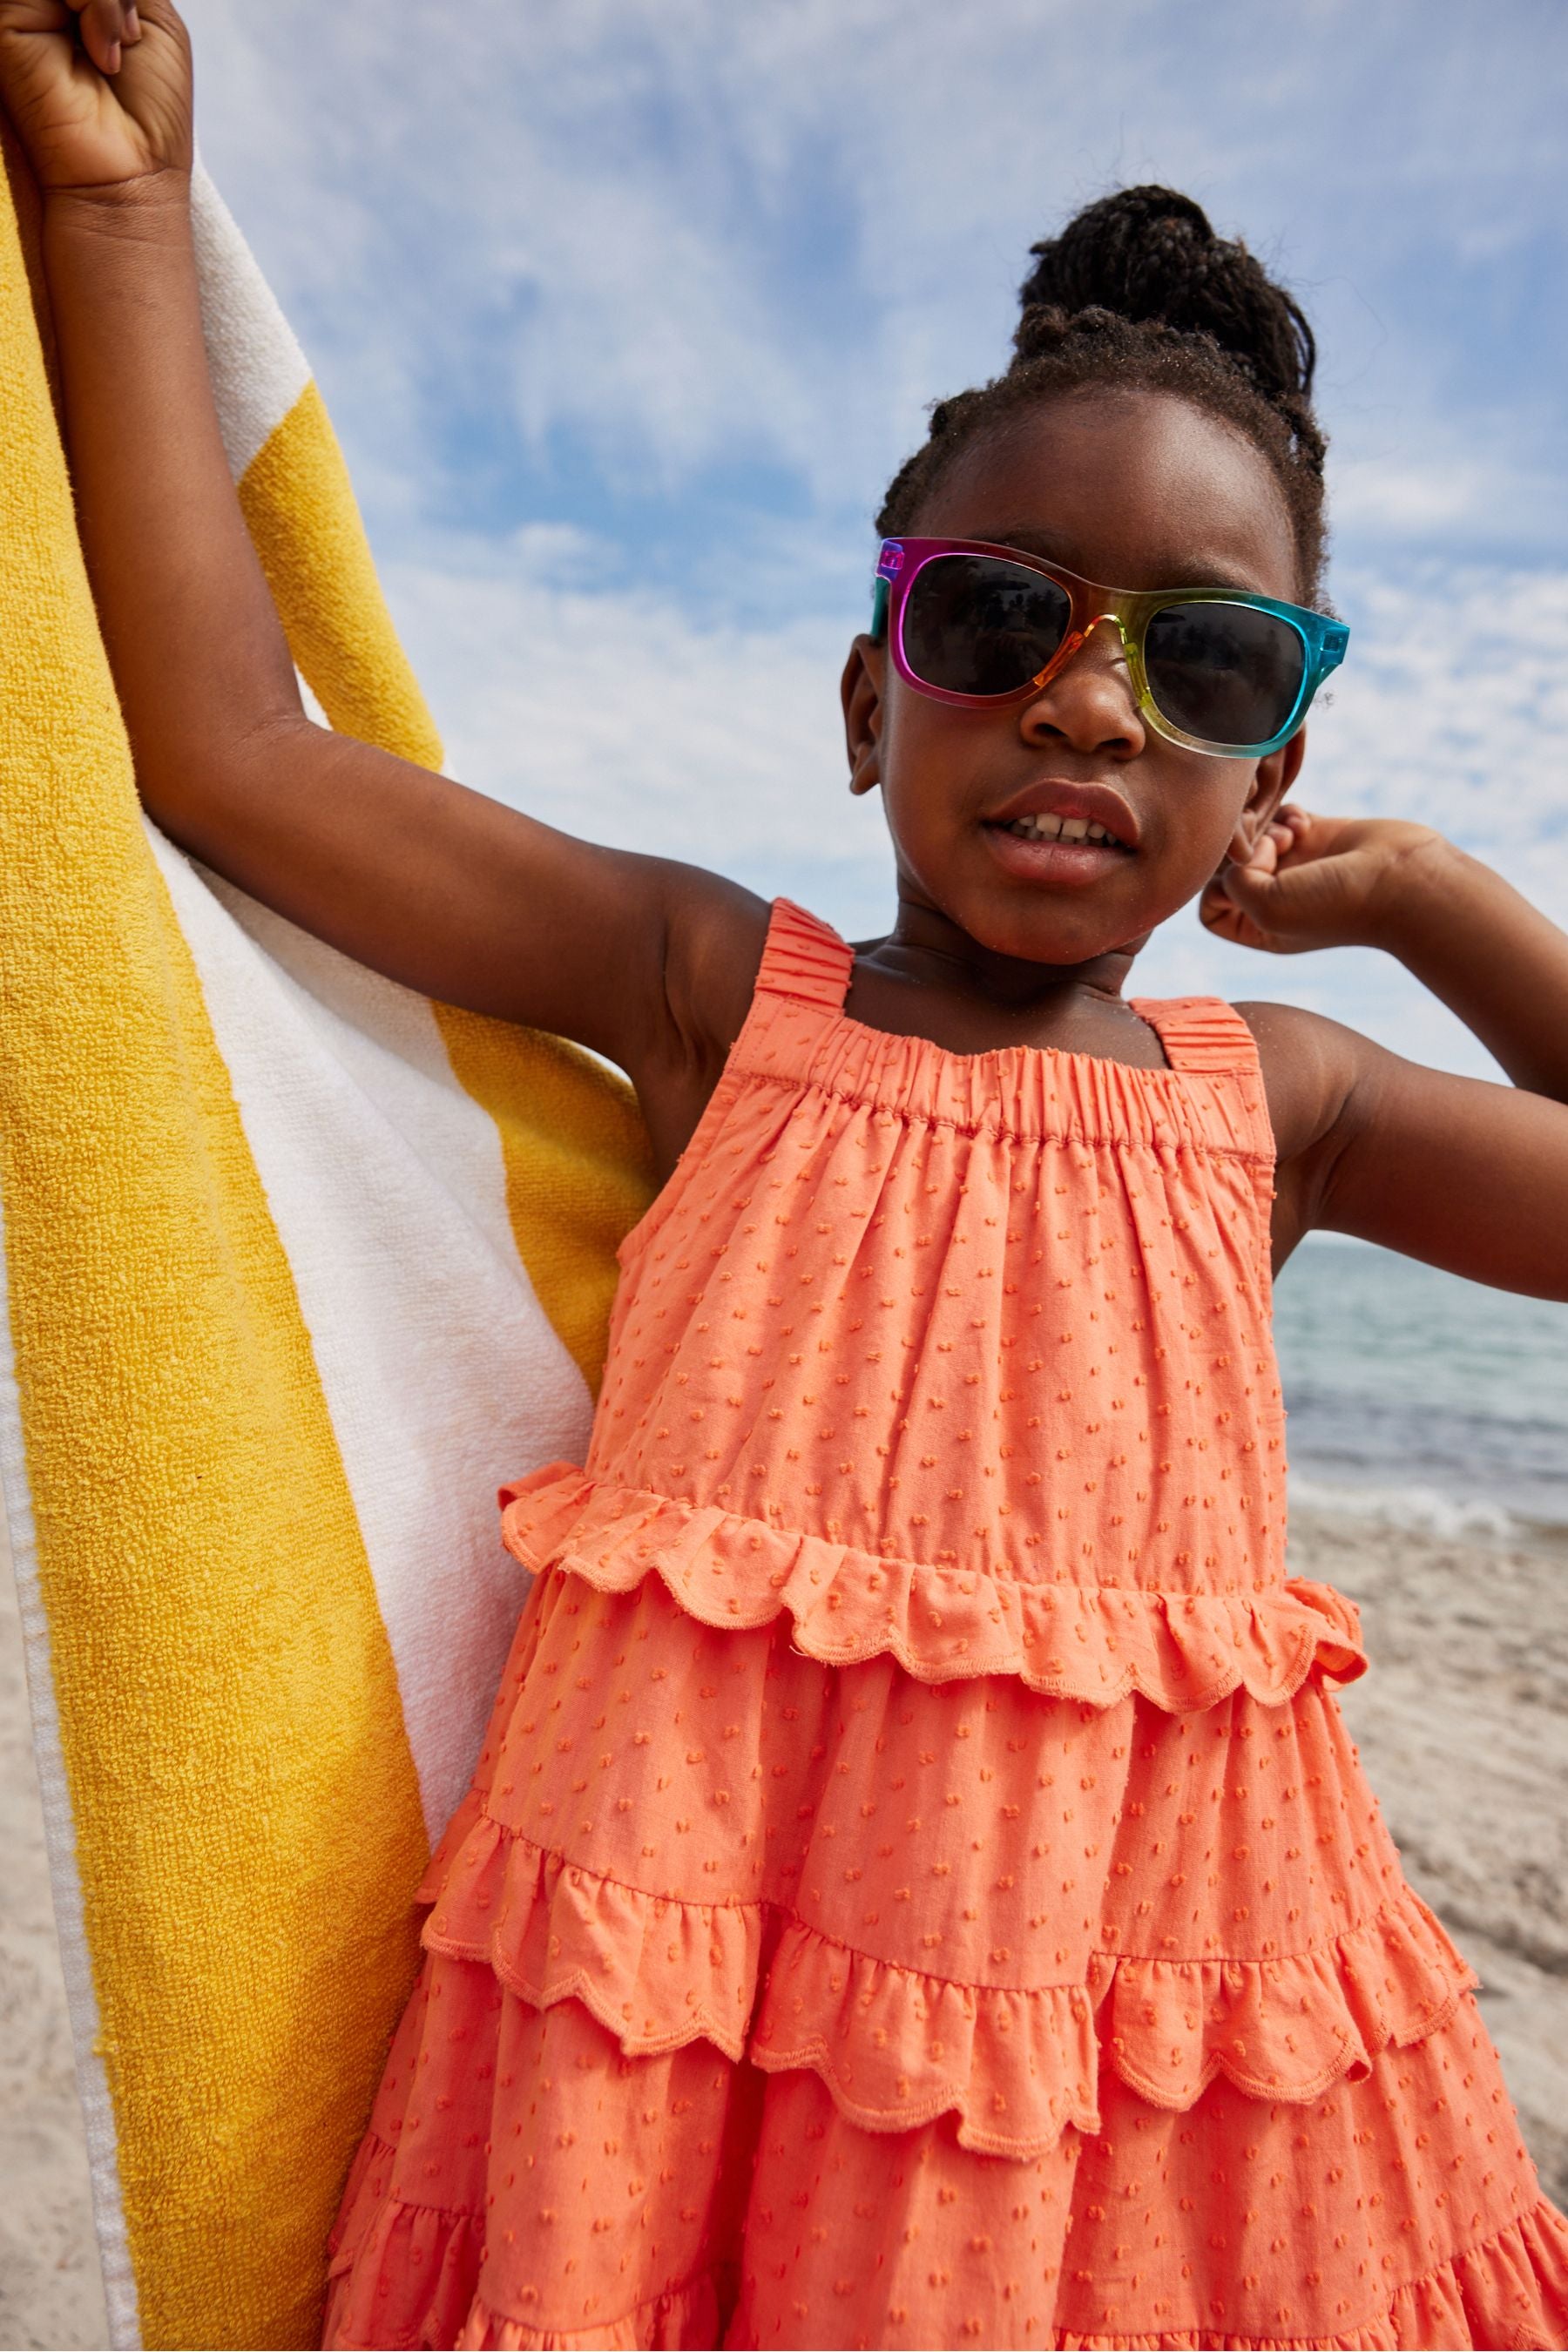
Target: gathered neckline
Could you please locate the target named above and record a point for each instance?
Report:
(1207, 1094)
(1165, 1069)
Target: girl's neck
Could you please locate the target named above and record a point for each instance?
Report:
(928, 978)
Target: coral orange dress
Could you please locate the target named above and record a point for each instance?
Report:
(918, 1889)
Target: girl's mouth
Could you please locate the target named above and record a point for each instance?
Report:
(1059, 850)
(1044, 826)
(1061, 833)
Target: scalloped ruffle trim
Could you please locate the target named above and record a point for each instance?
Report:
(896, 2047)
(1095, 1643)
(407, 2276)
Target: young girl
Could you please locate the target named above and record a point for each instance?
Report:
(917, 1889)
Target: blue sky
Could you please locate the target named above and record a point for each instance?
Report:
(626, 313)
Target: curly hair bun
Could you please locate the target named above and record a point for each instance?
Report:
(1138, 294)
(1150, 256)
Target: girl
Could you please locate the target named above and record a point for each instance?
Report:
(917, 1889)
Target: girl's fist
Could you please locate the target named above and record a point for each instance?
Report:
(99, 90)
(1314, 882)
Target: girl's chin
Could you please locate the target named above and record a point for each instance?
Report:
(1066, 933)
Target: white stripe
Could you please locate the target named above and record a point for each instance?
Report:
(259, 369)
(59, 1834)
(442, 1374)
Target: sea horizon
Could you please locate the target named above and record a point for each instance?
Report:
(1419, 1398)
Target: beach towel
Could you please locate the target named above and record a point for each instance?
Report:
(298, 1266)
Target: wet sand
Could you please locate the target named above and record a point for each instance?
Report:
(1462, 1725)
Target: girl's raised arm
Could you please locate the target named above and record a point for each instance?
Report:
(646, 961)
(1469, 1175)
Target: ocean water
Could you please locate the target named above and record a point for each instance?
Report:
(1421, 1397)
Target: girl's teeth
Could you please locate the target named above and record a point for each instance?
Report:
(1058, 828)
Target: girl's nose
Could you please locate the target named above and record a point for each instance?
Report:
(1088, 703)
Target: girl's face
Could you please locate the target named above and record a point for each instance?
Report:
(1135, 489)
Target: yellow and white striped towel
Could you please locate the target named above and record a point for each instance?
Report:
(297, 1265)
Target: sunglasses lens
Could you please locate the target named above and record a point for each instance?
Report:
(977, 625)
(1225, 673)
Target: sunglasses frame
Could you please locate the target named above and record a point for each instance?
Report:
(900, 561)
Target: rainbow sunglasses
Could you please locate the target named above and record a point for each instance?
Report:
(1218, 669)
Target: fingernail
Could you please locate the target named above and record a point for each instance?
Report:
(111, 58)
(132, 25)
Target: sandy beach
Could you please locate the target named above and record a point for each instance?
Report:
(50, 2288)
(1462, 1725)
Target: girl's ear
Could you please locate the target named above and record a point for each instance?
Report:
(1275, 777)
(861, 693)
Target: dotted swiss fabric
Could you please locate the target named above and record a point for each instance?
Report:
(918, 1887)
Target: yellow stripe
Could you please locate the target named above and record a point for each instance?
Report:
(247, 1821)
(578, 1168)
(301, 513)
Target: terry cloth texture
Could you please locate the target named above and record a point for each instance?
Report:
(295, 1264)
(917, 1888)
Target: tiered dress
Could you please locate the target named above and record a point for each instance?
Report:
(918, 1889)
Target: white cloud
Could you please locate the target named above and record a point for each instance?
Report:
(1436, 495)
(611, 713)
(704, 236)
(1452, 708)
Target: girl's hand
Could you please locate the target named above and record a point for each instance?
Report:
(1316, 882)
(99, 90)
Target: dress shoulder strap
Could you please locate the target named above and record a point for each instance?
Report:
(1201, 1034)
(804, 957)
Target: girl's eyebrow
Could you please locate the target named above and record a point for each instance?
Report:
(1030, 539)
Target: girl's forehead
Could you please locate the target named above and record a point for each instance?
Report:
(1136, 489)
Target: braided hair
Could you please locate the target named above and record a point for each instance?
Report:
(1138, 293)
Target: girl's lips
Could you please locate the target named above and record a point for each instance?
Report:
(1054, 800)
(1072, 863)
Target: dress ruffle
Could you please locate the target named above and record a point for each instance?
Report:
(406, 2275)
(1092, 1642)
(897, 2047)
(686, 2316)
(400, 2274)
(1508, 2291)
